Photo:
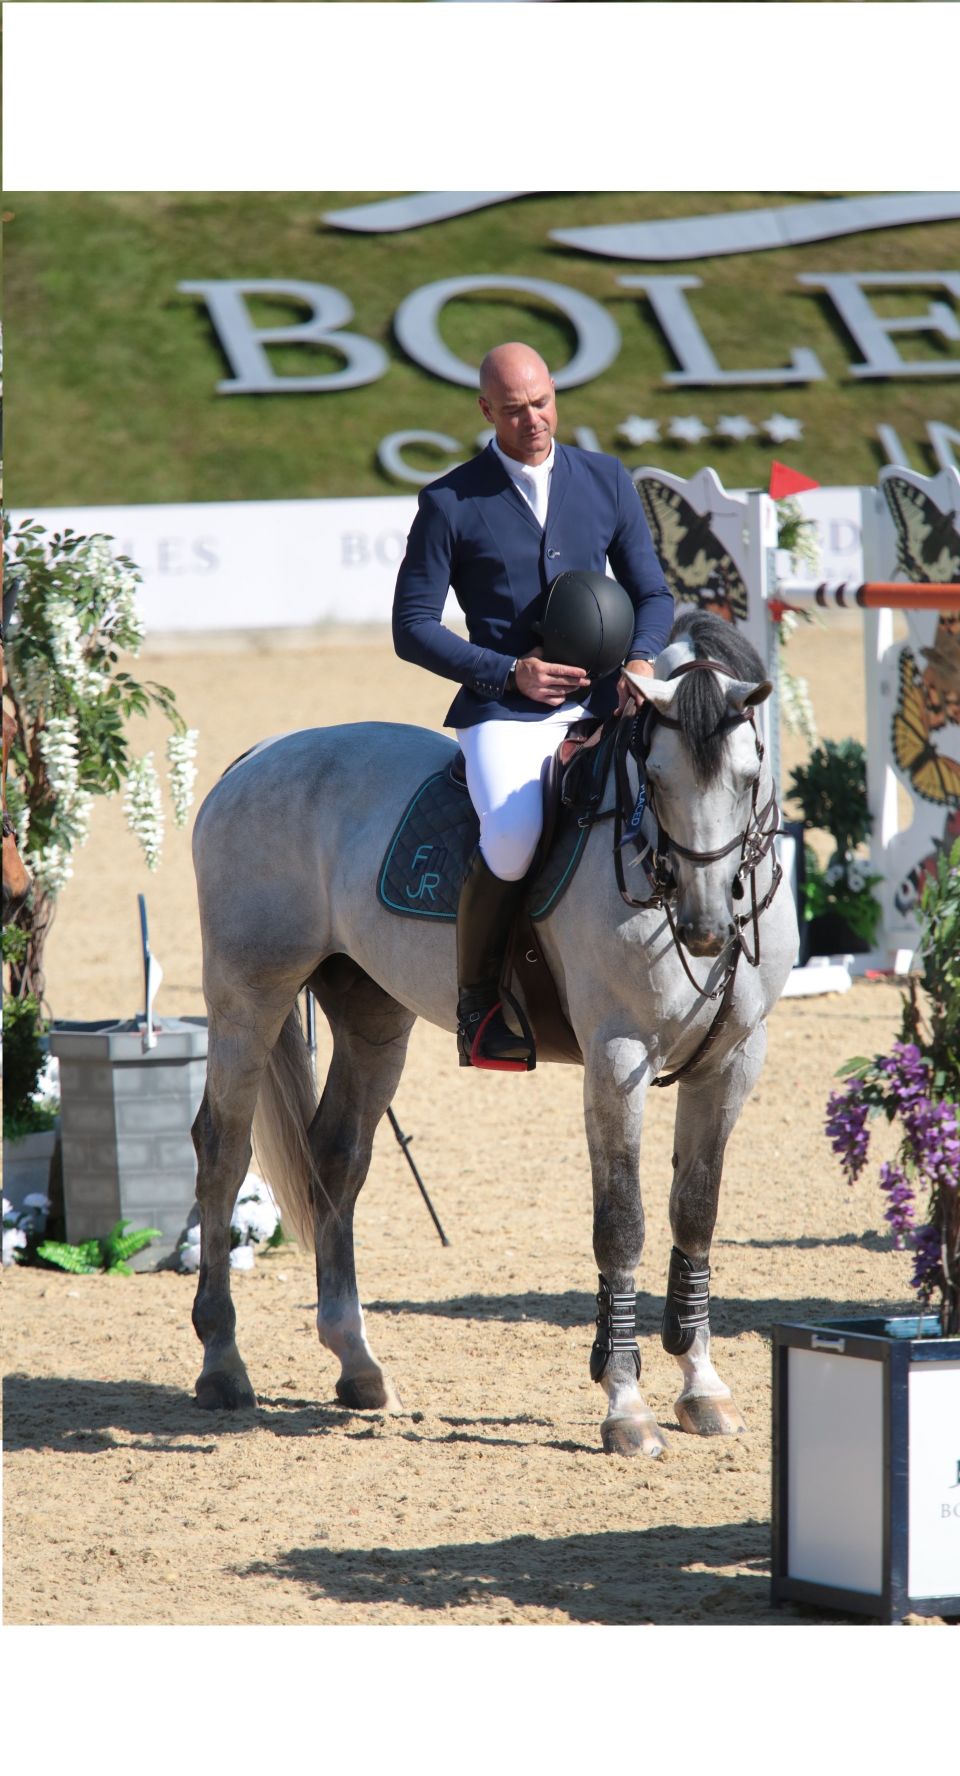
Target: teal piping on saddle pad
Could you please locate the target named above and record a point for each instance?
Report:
(420, 912)
(540, 912)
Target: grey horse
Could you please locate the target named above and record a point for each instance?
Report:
(286, 851)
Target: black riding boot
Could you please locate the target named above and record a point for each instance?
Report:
(484, 916)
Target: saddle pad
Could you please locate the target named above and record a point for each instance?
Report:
(426, 859)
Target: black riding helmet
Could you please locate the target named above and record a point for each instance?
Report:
(588, 622)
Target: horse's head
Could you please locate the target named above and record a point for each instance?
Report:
(703, 759)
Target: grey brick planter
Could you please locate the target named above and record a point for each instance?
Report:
(125, 1118)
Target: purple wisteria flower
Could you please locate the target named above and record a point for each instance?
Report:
(847, 1114)
(927, 1260)
(899, 1210)
(932, 1128)
(928, 1165)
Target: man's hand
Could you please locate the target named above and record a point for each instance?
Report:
(547, 682)
(625, 690)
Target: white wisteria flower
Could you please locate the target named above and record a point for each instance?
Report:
(58, 750)
(181, 752)
(67, 644)
(121, 621)
(796, 706)
(143, 807)
(50, 868)
(798, 535)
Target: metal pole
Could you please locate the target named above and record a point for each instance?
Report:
(403, 1140)
(876, 594)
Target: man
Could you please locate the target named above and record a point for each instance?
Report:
(499, 529)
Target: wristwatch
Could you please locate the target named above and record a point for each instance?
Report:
(510, 683)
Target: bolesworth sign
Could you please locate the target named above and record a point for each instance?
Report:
(303, 345)
(878, 338)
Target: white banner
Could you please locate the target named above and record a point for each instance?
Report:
(255, 565)
(272, 564)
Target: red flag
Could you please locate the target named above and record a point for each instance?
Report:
(784, 481)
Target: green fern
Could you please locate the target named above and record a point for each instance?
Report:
(79, 1260)
(118, 1245)
(109, 1254)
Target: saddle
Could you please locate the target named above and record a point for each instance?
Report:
(425, 862)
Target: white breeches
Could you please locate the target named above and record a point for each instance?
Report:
(506, 761)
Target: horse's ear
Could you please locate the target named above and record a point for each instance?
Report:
(742, 694)
(657, 691)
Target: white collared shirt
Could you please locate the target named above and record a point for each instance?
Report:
(531, 479)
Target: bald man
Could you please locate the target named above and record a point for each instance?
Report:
(498, 530)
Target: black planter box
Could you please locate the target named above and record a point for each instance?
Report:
(829, 935)
(866, 1468)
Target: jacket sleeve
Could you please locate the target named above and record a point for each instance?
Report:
(424, 579)
(632, 556)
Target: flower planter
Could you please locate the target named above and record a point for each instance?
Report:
(829, 935)
(26, 1165)
(866, 1467)
(125, 1116)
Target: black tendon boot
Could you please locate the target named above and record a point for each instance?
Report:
(484, 916)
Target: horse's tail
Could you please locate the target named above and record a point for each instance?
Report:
(285, 1109)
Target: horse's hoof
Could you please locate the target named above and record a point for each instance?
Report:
(221, 1392)
(371, 1392)
(631, 1435)
(710, 1416)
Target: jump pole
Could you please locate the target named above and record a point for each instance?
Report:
(875, 594)
(403, 1140)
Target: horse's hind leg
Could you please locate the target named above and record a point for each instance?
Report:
(370, 1032)
(706, 1114)
(237, 1051)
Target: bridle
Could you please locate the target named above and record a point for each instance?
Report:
(634, 738)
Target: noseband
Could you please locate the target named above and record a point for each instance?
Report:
(754, 843)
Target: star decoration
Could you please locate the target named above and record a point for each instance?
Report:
(736, 427)
(688, 431)
(783, 431)
(639, 431)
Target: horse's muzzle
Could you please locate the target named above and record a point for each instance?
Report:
(704, 943)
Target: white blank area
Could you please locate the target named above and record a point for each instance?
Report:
(835, 1470)
(934, 1565)
(248, 97)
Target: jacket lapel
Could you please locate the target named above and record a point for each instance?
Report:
(507, 489)
(559, 482)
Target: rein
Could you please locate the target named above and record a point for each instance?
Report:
(633, 739)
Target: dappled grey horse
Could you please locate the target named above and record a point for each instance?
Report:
(666, 971)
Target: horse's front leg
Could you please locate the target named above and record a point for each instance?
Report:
(615, 1078)
(707, 1110)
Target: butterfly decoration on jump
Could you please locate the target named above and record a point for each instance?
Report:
(696, 565)
(928, 548)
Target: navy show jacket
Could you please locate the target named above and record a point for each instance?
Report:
(475, 532)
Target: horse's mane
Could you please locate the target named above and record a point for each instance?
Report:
(701, 704)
